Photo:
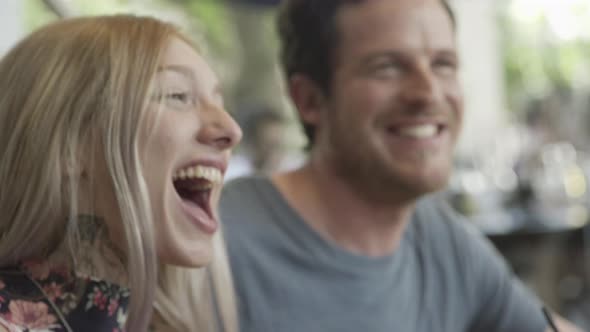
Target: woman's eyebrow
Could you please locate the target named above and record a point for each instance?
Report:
(183, 70)
(188, 73)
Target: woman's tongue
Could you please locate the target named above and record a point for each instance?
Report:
(195, 192)
(195, 203)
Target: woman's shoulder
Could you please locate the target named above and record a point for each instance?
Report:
(39, 297)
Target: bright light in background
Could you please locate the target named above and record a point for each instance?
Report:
(567, 18)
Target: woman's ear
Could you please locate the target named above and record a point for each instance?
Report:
(308, 98)
(77, 163)
(72, 169)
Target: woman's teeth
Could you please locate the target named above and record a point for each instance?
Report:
(422, 131)
(210, 174)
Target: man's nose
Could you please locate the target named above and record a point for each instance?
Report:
(422, 87)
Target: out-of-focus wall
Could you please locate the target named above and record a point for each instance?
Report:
(11, 23)
(482, 73)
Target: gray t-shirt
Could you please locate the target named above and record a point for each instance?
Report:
(444, 277)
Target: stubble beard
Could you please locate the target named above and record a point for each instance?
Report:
(376, 179)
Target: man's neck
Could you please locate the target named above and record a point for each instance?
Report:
(341, 214)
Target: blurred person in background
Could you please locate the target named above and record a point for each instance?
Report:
(266, 128)
(264, 149)
(343, 244)
(114, 142)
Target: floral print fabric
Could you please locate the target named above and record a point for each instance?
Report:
(37, 298)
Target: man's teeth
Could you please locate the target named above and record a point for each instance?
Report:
(210, 174)
(423, 131)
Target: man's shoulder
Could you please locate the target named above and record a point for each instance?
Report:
(253, 216)
(245, 183)
(247, 200)
(434, 216)
(436, 226)
(243, 191)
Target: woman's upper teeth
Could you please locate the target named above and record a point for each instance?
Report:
(420, 131)
(211, 174)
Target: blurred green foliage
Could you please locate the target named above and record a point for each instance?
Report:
(542, 54)
(239, 41)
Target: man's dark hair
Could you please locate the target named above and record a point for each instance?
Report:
(309, 36)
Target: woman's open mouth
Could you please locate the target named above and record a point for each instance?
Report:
(194, 185)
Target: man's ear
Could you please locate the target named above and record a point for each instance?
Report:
(308, 98)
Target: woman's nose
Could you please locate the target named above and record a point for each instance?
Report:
(219, 128)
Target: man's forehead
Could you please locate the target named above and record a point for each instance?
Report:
(402, 4)
(399, 23)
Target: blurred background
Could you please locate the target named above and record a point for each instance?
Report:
(523, 163)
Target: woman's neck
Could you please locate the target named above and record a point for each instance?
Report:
(92, 253)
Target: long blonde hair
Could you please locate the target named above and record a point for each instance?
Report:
(64, 88)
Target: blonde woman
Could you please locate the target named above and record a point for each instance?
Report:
(113, 145)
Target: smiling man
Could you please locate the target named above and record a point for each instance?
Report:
(343, 244)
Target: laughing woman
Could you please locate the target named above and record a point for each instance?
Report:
(113, 145)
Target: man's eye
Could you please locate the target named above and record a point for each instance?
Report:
(387, 66)
(386, 69)
(448, 66)
(444, 63)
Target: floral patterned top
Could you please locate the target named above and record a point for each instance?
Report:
(37, 298)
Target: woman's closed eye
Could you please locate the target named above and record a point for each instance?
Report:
(183, 97)
(178, 99)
